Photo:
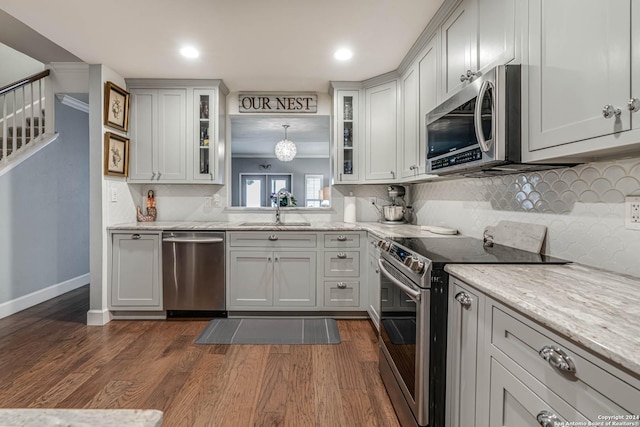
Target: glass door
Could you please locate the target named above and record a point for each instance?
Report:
(204, 150)
(347, 136)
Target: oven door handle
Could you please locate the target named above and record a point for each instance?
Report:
(415, 295)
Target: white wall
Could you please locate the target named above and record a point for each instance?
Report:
(15, 65)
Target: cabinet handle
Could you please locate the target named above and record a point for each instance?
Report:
(633, 105)
(340, 176)
(153, 175)
(342, 285)
(342, 255)
(557, 358)
(342, 238)
(377, 271)
(464, 299)
(135, 236)
(273, 237)
(276, 259)
(468, 76)
(159, 173)
(609, 111)
(268, 259)
(211, 175)
(393, 174)
(547, 419)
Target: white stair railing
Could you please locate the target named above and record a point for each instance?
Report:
(23, 114)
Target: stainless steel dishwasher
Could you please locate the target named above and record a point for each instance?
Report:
(193, 274)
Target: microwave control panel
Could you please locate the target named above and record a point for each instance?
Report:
(457, 159)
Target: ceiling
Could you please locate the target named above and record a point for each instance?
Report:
(253, 45)
(256, 136)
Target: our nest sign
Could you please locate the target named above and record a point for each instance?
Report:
(251, 103)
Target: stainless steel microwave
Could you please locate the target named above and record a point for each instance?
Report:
(479, 128)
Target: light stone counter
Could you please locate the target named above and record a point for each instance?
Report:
(380, 230)
(598, 309)
(80, 418)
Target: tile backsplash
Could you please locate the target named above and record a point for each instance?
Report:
(582, 207)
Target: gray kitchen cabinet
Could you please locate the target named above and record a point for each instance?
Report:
(135, 279)
(458, 41)
(466, 308)
(342, 293)
(410, 120)
(177, 132)
(381, 133)
(158, 135)
(429, 80)
(272, 278)
(342, 263)
(347, 137)
(268, 270)
(561, 63)
(373, 278)
(506, 370)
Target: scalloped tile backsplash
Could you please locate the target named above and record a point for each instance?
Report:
(582, 207)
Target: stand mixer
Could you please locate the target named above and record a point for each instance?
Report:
(395, 212)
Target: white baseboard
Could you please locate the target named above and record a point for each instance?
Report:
(15, 305)
(98, 317)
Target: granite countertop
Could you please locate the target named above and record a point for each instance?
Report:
(598, 309)
(80, 417)
(380, 230)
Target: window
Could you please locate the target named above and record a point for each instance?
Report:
(313, 190)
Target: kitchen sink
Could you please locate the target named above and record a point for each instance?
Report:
(273, 224)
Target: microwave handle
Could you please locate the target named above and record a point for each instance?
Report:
(477, 116)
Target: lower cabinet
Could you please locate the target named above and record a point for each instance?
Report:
(286, 270)
(373, 277)
(506, 370)
(273, 278)
(135, 282)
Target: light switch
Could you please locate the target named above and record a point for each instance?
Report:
(114, 195)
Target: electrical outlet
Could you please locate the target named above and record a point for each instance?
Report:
(632, 212)
(114, 195)
(216, 200)
(372, 200)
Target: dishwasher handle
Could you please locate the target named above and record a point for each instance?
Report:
(193, 239)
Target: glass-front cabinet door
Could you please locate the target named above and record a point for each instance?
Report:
(205, 144)
(348, 136)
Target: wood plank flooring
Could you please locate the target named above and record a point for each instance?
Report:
(49, 358)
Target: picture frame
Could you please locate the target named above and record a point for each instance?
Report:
(116, 155)
(116, 107)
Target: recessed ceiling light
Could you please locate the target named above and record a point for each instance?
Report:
(343, 54)
(189, 52)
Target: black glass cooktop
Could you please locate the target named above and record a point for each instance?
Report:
(467, 250)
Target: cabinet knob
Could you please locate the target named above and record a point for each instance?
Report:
(609, 111)
(548, 419)
(342, 285)
(135, 236)
(633, 105)
(468, 76)
(342, 238)
(273, 237)
(464, 299)
(557, 358)
(342, 255)
(269, 259)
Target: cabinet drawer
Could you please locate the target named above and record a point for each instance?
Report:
(341, 241)
(592, 390)
(342, 264)
(273, 239)
(342, 294)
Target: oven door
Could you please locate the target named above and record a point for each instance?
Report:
(404, 334)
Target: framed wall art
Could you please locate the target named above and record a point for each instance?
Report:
(116, 155)
(116, 107)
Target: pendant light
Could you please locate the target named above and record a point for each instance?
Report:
(285, 150)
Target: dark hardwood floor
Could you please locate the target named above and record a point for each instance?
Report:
(49, 358)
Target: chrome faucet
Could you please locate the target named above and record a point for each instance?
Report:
(278, 212)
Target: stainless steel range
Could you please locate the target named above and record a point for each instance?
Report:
(413, 317)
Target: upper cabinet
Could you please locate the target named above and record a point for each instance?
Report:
(410, 120)
(581, 77)
(346, 111)
(381, 132)
(458, 38)
(476, 37)
(177, 131)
